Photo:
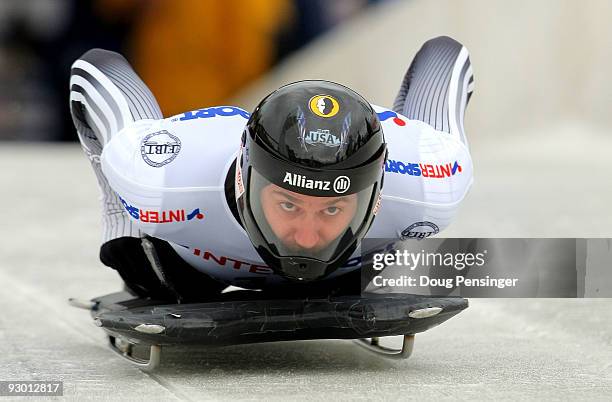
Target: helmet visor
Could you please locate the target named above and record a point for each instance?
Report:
(304, 225)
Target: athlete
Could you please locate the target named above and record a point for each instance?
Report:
(278, 199)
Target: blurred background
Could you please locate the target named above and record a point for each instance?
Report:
(192, 53)
(536, 63)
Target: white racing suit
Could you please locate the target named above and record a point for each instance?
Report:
(172, 179)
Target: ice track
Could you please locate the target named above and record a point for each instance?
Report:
(502, 349)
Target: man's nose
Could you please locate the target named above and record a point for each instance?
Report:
(307, 234)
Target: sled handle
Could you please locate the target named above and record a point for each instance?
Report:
(126, 350)
(373, 346)
(84, 304)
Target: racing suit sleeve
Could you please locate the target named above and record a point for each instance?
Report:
(105, 96)
(437, 86)
(429, 168)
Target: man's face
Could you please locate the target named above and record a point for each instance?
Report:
(304, 222)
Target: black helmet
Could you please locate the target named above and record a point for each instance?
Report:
(308, 177)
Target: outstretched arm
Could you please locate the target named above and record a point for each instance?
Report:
(437, 86)
(105, 96)
(429, 168)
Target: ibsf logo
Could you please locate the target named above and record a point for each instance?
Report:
(160, 148)
(322, 137)
(420, 230)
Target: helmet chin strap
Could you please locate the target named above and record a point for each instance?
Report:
(303, 269)
(238, 180)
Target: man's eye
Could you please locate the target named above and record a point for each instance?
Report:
(287, 206)
(331, 211)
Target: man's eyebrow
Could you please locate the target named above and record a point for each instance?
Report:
(296, 200)
(288, 196)
(337, 200)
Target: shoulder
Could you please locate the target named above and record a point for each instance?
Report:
(427, 175)
(424, 165)
(188, 152)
